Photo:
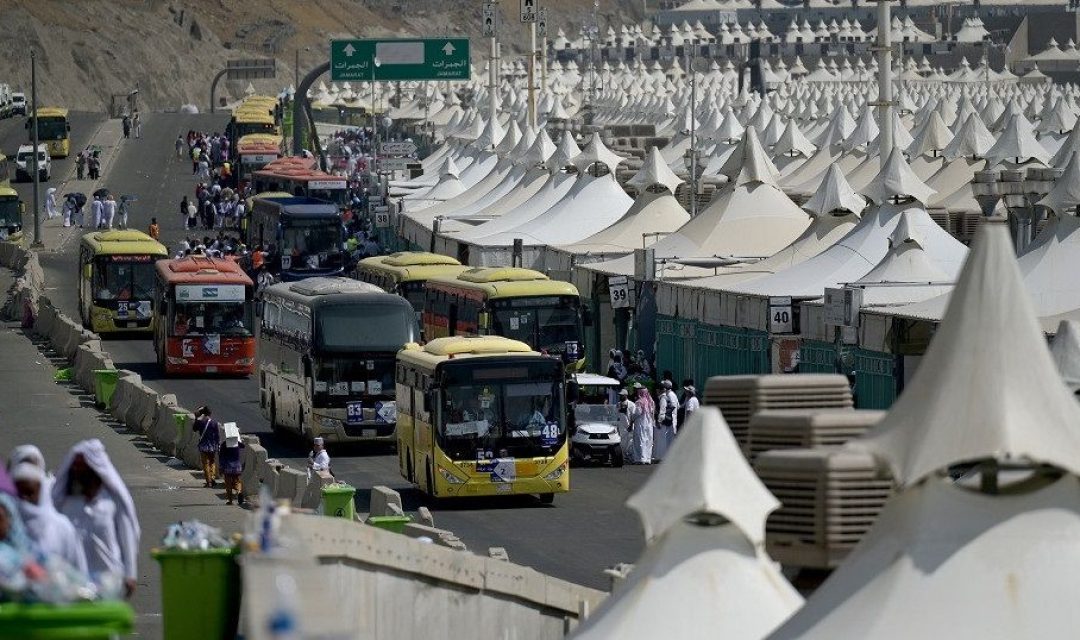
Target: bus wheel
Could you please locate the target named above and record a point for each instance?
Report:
(547, 498)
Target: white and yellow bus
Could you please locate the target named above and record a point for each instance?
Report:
(482, 416)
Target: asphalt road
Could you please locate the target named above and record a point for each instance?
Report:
(13, 133)
(583, 533)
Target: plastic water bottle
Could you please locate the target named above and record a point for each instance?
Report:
(283, 623)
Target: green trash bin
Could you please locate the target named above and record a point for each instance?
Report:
(337, 500)
(105, 385)
(82, 621)
(390, 523)
(200, 593)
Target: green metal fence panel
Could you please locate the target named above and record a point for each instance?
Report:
(817, 357)
(668, 344)
(875, 379)
(726, 351)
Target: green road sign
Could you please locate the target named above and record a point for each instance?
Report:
(400, 59)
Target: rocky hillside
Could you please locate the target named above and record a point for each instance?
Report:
(92, 50)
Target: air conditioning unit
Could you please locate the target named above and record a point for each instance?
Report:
(807, 428)
(740, 397)
(830, 497)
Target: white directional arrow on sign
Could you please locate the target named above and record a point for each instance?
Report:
(349, 50)
(448, 49)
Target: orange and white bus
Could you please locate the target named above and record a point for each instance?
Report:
(298, 181)
(204, 311)
(253, 152)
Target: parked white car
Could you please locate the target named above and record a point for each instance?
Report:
(24, 162)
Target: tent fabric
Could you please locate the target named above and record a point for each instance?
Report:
(704, 474)
(651, 213)
(969, 401)
(835, 194)
(1065, 350)
(1064, 196)
(897, 179)
(1008, 555)
(655, 172)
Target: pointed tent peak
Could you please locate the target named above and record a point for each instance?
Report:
(704, 476)
(492, 135)
(565, 152)
(987, 387)
(450, 169)
(655, 171)
(792, 142)
(596, 152)
(540, 152)
(933, 135)
(750, 163)
(1017, 142)
(834, 194)
(1065, 350)
(866, 130)
(1064, 196)
(510, 139)
(905, 232)
(973, 139)
(896, 179)
(1068, 148)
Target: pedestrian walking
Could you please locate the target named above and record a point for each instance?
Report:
(50, 202)
(154, 231)
(627, 409)
(80, 165)
(666, 422)
(136, 125)
(204, 169)
(122, 210)
(192, 215)
(95, 166)
(641, 445)
(89, 491)
(108, 211)
(195, 153)
(179, 146)
(97, 209)
(51, 530)
(689, 403)
(126, 123)
(318, 459)
(209, 443)
(231, 459)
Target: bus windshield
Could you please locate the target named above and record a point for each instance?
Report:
(10, 216)
(309, 240)
(52, 129)
(212, 318)
(508, 409)
(544, 323)
(365, 327)
(337, 196)
(124, 278)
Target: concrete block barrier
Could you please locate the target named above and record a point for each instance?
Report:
(255, 458)
(291, 485)
(187, 444)
(124, 395)
(142, 412)
(313, 495)
(46, 317)
(268, 474)
(89, 358)
(382, 500)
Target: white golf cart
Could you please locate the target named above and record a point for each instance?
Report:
(595, 428)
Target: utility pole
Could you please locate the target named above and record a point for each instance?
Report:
(885, 93)
(529, 15)
(38, 239)
(691, 51)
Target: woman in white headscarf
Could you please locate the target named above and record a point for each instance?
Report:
(90, 492)
(48, 528)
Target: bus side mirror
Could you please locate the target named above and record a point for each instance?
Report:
(307, 366)
(586, 316)
(87, 270)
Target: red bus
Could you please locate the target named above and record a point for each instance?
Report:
(204, 317)
(299, 181)
(253, 152)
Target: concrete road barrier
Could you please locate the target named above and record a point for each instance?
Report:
(45, 318)
(88, 359)
(124, 395)
(291, 485)
(383, 501)
(255, 458)
(313, 495)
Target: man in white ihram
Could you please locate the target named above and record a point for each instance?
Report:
(318, 459)
(667, 418)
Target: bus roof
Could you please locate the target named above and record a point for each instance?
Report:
(50, 112)
(440, 350)
(417, 258)
(258, 142)
(123, 242)
(202, 270)
(414, 273)
(253, 116)
(505, 282)
(288, 161)
(317, 291)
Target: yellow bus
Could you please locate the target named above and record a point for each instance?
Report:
(11, 207)
(250, 120)
(405, 273)
(512, 302)
(481, 416)
(116, 280)
(53, 130)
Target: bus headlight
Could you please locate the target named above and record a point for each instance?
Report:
(556, 474)
(449, 477)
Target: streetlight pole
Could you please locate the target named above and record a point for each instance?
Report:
(38, 239)
(375, 63)
(693, 130)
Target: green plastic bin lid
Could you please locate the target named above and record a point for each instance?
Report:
(164, 553)
(339, 488)
(104, 373)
